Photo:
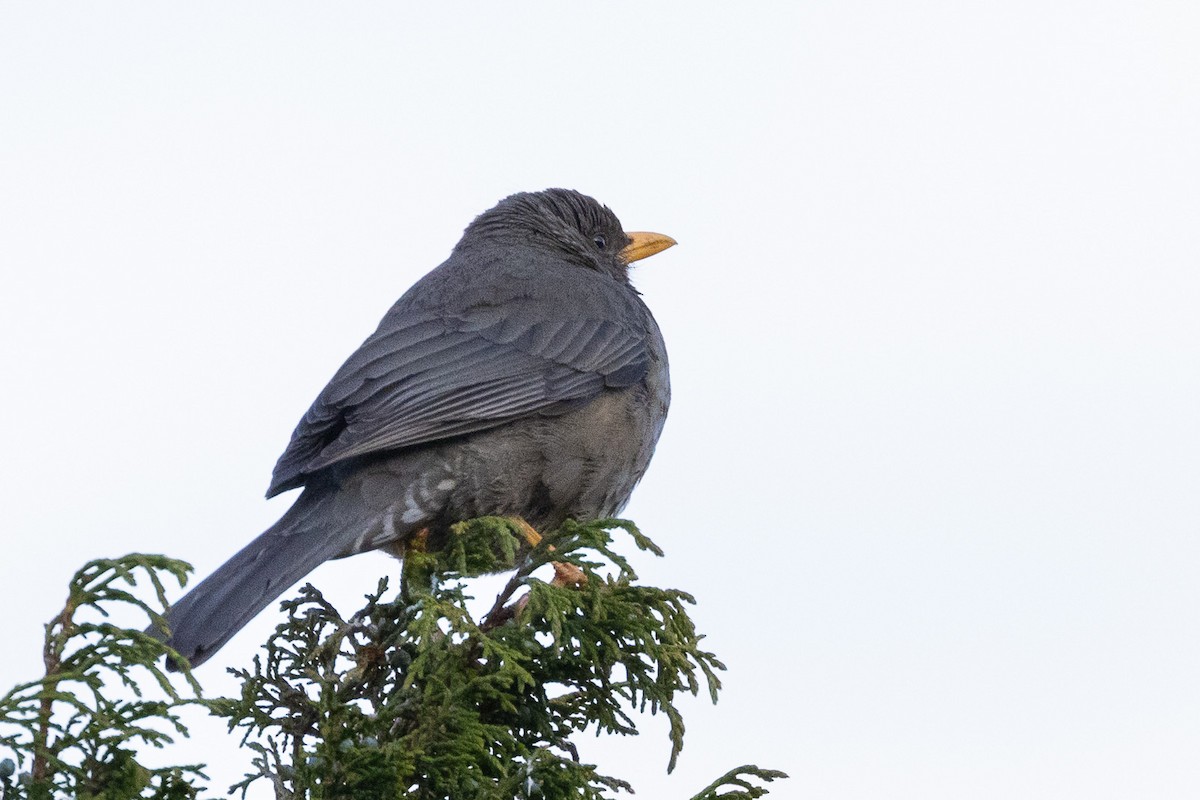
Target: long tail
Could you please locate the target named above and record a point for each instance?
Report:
(310, 533)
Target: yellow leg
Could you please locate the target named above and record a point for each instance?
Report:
(526, 530)
(565, 574)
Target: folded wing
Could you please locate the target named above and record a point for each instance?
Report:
(427, 376)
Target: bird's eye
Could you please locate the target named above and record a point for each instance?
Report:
(600, 241)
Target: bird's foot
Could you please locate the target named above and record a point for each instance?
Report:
(565, 573)
(419, 541)
(568, 574)
(526, 531)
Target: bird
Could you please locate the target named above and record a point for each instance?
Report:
(524, 377)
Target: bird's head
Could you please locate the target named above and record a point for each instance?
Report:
(571, 225)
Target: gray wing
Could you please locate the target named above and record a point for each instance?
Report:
(425, 376)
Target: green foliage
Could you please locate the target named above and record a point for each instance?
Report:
(410, 698)
(415, 698)
(76, 737)
(736, 785)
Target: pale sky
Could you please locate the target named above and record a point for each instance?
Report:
(932, 468)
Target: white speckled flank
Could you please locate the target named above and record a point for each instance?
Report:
(412, 512)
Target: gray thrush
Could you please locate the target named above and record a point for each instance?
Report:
(524, 377)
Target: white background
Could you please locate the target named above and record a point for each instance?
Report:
(933, 464)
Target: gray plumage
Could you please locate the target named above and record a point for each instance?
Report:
(522, 377)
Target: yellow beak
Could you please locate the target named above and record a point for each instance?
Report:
(643, 245)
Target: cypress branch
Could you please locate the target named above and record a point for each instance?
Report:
(409, 697)
(77, 738)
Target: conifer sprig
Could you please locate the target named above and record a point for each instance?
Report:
(79, 728)
(414, 697)
(410, 698)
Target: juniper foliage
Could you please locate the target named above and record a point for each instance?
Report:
(416, 698)
(410, 698)
(74, 732)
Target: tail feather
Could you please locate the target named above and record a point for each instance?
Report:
(208, 616)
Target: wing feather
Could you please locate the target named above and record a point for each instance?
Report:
(427, 376)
